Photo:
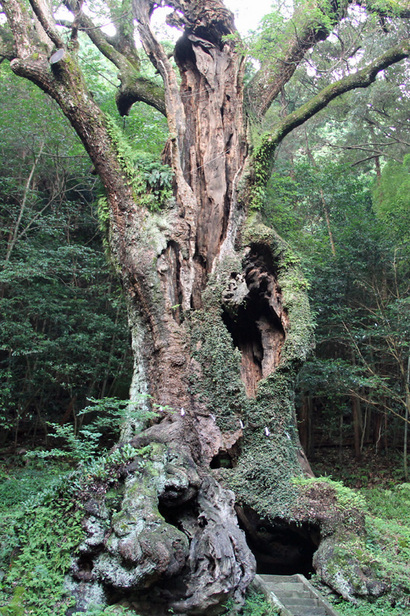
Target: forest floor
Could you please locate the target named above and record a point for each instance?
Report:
(375, 468)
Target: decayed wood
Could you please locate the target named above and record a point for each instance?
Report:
(205, 117)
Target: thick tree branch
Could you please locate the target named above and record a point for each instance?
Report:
(139, 89)
(160, 60)
(124, 56)
(106, 44)
(134, 87)
(308, 25)
(47, 22)
(270, 79)
(362, 79)
(20, 25)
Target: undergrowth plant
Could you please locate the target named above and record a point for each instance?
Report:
(112, 610)
(45, 530)
(41, 512)
(387, 549)
(105, 418)
(255, 605)
(380, 607)
(346, 497)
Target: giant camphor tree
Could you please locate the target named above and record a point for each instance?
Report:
(217, 305)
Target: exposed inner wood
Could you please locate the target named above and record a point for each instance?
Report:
(259, 325)
(213, 141)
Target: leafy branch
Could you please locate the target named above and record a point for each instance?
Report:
(361, 79)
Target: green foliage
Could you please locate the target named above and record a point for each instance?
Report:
(111, 413)
(103, 211)
(379, 607)
(100, 75)
(359, 295)
(64, 334)
(220, 384)
(41, 504)
(153, 181)
(346, 498)
(16, 605)
(294, 206)
(387, 550)
(48, 531)
(222, 388)
(147, 129)
(82, 446)
(255, 605)
(388, 534)
(276, 27)
(269, 34)
(112, 610)
(106, 417)
(123, 150)
(387, 7)
(392, 201)
(19, 484)
(150, 180)
(40, 526)
(390, 504)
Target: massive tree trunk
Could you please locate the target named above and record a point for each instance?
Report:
(220, 323)
(218, 312)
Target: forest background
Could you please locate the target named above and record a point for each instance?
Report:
(339, 195)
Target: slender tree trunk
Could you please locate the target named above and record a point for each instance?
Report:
(322, 199)
(341, 428)
(357, 421)
(406, 423)
(305, 425)
(14, 235)
(357, 426)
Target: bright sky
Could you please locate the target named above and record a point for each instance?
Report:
(248, 12)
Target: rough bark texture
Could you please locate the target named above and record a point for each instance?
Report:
(175, 532)
(219, 318)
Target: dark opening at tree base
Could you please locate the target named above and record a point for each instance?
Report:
(280, 547)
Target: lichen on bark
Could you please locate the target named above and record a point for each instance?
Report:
(173, 532)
